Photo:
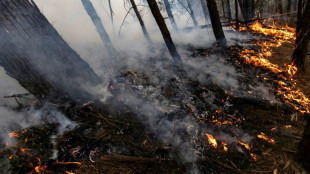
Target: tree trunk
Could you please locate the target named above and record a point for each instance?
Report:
(236, 15)
(304, 150)
(165, 32)
(223, 8)
(247, 9)
(99, 26)
(302, 36)
(216, 22)
(35, 55)
(228, 9)
(289, 6)
(189, 2)
(279, 6)
(145, 33)
(205, 10)
(170, 15)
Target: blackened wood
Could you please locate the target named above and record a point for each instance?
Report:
(216, 22)
(35, 55)
(165, 32)
(302, 37)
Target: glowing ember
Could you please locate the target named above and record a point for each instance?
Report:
(211, 140)
(13, 134)
(264, 137)
(225, 146)
(67, 172)
(40, 168)
(68, 163)
(24, 149)
(247, 146)
(11, 156)
(254, 157)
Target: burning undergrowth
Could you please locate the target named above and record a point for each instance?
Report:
(204, 115)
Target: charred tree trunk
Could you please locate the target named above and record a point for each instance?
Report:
(189, 2)
(304, 150)
(223, 8)
(35, 55)
(145, 33)
(228, 9)
(205, 10)
(216, 22)
(99, 26)
(247, 9)
(279, 6)
(236, 15)
(302, 37)
(289, 6)
(165, 32)
(170, 15)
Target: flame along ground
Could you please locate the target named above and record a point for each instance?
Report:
(286, 88)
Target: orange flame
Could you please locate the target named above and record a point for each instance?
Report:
(264, 137)
(211, 140)
(247, 146)
(68, 163)
(13, 134)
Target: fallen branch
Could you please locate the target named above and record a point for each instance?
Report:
(122, 158)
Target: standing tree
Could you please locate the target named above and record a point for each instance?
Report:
(228, 9)
(216, 22)
(191, 10)
(145, 33)
(302, 36)
(299, 55)
(88, 6)
(247, 9)
(205, 10)
(236, 15)
(170, 15)
(165, 32)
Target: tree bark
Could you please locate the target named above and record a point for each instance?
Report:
(205, 10)
(247, 9)
(228, 9)
(35, 55)
(302, 36)
(216, 22)
(170, 15)
(99, 26)
(223, 8)
(145, 33)
(236, 15)
(165, 32)
(279, 6)
(189, 2)
(304, 150)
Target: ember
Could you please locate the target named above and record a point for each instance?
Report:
(264, 137)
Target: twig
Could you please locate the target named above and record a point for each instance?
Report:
(107, 120)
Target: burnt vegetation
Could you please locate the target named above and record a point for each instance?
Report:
(232, 100)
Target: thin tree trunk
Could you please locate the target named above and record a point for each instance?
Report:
(236, 15)
(223, 8)
(170, 15)
(302, 36)
(279, 6)
(228, 9)
(205, 10)
(88, 6)
(189, 2)
(35, 55)
(165, 32)
(289, 6)
(216, 22)
(145, 33)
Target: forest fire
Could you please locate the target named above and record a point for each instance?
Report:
(286, 87)
(266, 138)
